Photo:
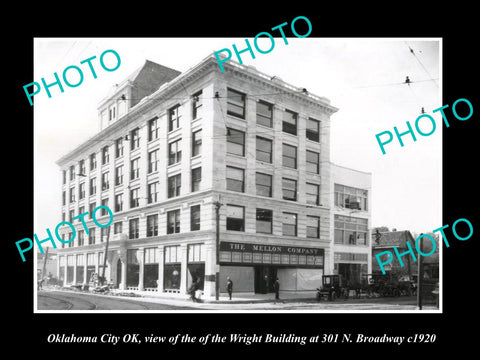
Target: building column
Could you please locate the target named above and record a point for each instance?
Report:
(184, 269)
(141, 263)
(85, 280)
(122, 254)
(74, 269)
(210, 268)
(161, 263)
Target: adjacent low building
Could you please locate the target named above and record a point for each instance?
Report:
(183, 157)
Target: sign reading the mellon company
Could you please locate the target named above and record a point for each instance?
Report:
(244, 247)
(270, 254)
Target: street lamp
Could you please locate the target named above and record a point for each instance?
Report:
(217, 249)
(105, 256)
(420, 275)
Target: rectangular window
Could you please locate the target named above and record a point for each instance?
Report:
(152, 225)
(72, 194)
(174, 116)
(289, 124)
(264, 221)
(119, 175)
(153, 129)
(289, 189)
(197, 102)
(289, 156)
(196, 143)
(289, 224)
(81, 191)
(235, 218)
(263, 184)
(195, 218)
(72, 173)
(91, 207)
(64, 197)
(196, 253)
(81, 167)
(91, 236)
(134, 169)
(174, 185)
(71, 214)
(118, 147)
(93, 161)
(264, 113)
(118, 227)
(105, 155)
(93, 186)
(134, 139)
(264, 150)
(119, 202)
(133, 229)
(104, 203)
(313, 162)
(235, 179)
(105, 181)
(134, 198)
(313, 194)
(81, 209)
(313, 227)
(81, 237)
(235, 103)
(350, 230)
(235, 142)
(153, 192)
(64, 177)
(196, 179)
(313, 130)
(152, 161)
(173, 222)
(104, 233)
(350, 197)
(174, 152)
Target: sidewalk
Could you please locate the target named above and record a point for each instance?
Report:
(303, 301)
(237, 298)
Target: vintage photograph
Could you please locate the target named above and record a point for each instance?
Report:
(170, 179)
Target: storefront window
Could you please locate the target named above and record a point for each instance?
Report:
(196, 265)
(172, 268)
(133, 268)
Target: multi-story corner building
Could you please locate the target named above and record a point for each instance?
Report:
(174, 148)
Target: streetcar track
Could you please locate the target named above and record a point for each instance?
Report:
(64, 298)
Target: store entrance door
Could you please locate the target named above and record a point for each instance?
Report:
(264, 278)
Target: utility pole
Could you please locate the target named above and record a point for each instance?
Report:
(105, 256)
(45, 263)
(420, 276)
(217, 249)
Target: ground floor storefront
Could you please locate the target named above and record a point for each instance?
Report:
(172, 268)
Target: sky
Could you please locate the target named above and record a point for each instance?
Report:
(363, 77)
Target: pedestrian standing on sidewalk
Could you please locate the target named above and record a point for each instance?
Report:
(276, 288)
(229, 287)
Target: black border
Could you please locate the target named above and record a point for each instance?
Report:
(455, 25)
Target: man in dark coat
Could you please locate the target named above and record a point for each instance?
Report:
(276, 288)
(229, 287)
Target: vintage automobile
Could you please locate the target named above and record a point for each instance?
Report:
(332, 287)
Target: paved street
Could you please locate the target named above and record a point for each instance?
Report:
(63, 300)
(74, 300)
